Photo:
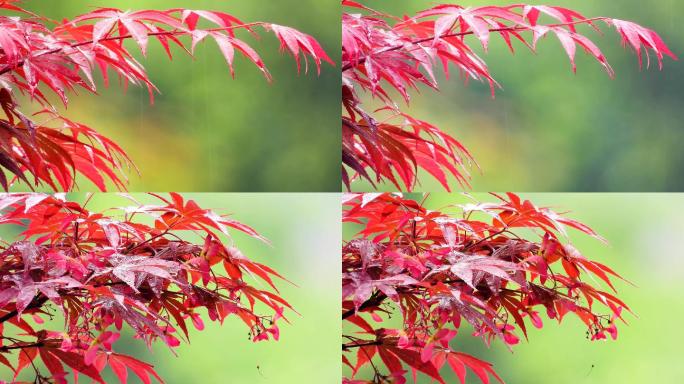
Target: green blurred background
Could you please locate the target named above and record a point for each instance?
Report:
(305, 233)
(208, 132)
(644, 232)
(551, 130)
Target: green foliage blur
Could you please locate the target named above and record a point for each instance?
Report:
(550, 130)
(209, 132)
(643, 231)
(305, 234)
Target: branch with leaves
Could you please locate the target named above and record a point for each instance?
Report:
(437, 272)
(39, 56)
(103, 271)
(382, 54)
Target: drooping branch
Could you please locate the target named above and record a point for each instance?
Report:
(14, 66)
(407, 45)
(38, 58)
(36, 303)
(106, 271)
(382, 54)
(495, 266)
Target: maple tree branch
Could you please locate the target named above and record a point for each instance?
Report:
(37, 302)
(8, 348)
(457, 34)
(348, 346)
(148, 241)
(370, 358)
(377, 299)
(493, 235)
(374, 301)
(174, 32)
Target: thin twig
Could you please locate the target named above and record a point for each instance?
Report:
(372, 302)
(37, 302)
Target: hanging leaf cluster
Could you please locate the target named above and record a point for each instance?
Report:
(413, 279)
(96, 274)
(389, 57)
(40, 58)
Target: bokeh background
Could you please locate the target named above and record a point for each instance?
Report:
(305, 233)
(551, 130)
(644, 232)
(207, 132)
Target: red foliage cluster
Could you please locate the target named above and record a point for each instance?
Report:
(103, 270)
(382, 54)
(40, 56)
(438, 270)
